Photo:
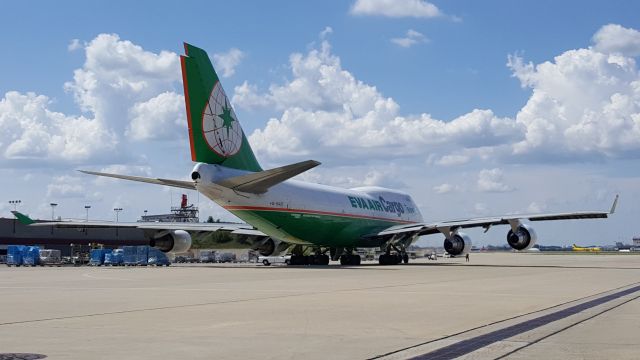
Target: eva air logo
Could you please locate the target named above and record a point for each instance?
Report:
(220, 126)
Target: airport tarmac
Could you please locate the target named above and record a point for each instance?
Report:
(504, 305)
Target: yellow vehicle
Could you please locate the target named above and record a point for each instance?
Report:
(588, 249)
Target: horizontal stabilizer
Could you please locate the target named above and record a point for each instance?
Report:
(260, 182)
(167, 182)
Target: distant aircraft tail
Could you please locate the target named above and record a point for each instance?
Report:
(24, 219)
(215, 134)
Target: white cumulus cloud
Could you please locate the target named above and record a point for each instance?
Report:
(30, 130)
(227, 62)
(412, 38)
(325, 108)
(614, 38)
(125, 94)
(158, 118)
(452, 160)
(584, 103)
(74, 45)
(444, 188)
(326, 32)
(396, 8)
(491, 180)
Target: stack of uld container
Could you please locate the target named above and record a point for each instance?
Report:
(31, 256)
(115, 258)
(98, 256)
(14, 255)
(157, 258)
(129, 256)
(142, 255)
(135, 255)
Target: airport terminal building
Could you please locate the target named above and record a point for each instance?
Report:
(12, 232)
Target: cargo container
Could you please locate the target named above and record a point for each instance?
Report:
(225, 257)
(14, 255)
(50, 257)
(135, 255)
(129, 255)
(207, 256)
(115, 258)
(31, 256)
(97, 256)
(157, 258)
(142, 255)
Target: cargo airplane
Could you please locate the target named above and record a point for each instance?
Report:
(314, 222)
(587, 249)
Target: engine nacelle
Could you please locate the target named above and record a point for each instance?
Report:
(175, 241)
(271, 247)
(523, 239)
(458, 244)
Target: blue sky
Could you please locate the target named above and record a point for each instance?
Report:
(489, 137)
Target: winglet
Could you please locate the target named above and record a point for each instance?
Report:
(613, 206)
(24, 219)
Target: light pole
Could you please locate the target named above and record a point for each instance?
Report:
(117, 210)
(53, 215)
(53, 206)
(15, 204)
(86, 208)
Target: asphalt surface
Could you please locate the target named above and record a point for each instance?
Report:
(512, 306)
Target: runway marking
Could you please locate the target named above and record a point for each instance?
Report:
(451, 349)
(88, 275)
(567, 327)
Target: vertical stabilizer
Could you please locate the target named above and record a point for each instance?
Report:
(215, 134)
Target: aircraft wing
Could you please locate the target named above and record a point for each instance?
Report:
(486, 222)
(234, 228)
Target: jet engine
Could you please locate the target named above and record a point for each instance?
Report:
(175, 241)
(270, 247)
(458, 244)
(523, 238)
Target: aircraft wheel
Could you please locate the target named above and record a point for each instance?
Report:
(355, 260)
(405, 258)
(344, 260)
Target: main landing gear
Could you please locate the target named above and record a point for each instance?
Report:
(318, 259)
(350, 259)
(399, 257)
(345, 256)
(298, 257)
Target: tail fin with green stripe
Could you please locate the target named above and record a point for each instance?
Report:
(215, 134)
(24, 219)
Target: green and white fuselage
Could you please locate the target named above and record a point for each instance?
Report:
(304, 213)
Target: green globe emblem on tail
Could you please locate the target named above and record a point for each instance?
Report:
(215, 134)
(220, 126)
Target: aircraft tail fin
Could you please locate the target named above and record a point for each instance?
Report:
(215, 135)
(24, 219)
